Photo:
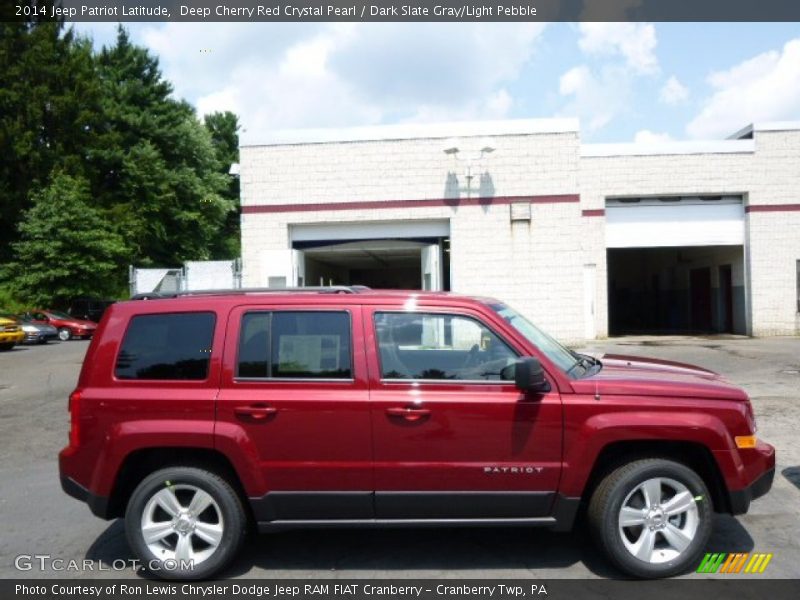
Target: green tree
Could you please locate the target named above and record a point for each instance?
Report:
(153, 163)
(224, 130)
(49, 111)
(66, 248)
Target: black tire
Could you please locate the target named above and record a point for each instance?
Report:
(5, 347)
(233, 520)
(604, 513)
(64, 334)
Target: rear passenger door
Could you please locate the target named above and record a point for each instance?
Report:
(295, 395)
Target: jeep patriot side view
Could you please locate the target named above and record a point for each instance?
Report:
(198, 415)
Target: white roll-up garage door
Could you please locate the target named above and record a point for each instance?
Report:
(369, 230)
(674, 221)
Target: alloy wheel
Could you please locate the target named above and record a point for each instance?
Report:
(183, 523)
(658, 520)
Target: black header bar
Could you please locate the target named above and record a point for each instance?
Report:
(402, 10)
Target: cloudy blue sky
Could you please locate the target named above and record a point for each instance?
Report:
(624, 81)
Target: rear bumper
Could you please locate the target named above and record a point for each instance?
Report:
(97, 504)
(82, 333)
(37, 338)
(15, 337)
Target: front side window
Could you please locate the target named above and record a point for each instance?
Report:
(440, 347)
(167, 346)
(295, 345)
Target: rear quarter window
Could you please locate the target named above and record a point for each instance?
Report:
(174, 346)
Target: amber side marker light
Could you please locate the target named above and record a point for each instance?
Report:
(745, 441)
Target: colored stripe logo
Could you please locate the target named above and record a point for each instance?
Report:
(735, 562)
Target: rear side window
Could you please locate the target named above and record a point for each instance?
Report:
(167, 346)
(295, 345)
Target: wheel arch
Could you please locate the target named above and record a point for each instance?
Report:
(694, 455)
(138, 464)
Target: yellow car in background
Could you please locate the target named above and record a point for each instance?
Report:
(11, 333)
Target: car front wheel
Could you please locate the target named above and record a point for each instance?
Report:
(652, 517)
(4, 347)
(64, 334)
(185, 523)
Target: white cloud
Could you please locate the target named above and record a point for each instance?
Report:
(645, 136)
(635, 42)
(595, 99)
(763, 88)
(278, 76)
(673, 92)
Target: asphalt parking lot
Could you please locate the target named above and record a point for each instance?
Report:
(37, 518)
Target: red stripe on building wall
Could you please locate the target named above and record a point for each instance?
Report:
(594, 212)
(772, 208)
(437, 202)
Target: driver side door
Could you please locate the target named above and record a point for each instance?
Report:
(453, 437)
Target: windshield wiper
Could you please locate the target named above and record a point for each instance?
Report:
(585, 361)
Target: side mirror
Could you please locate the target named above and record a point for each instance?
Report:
(529, 375)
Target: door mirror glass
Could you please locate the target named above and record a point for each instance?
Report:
(529, 375)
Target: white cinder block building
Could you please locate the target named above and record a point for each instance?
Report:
(588, 240)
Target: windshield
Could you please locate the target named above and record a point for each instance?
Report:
(557, 353)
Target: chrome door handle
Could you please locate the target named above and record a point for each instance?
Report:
(408, 413)
(258, 413)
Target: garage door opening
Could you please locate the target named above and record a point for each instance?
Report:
(412, 264)
(676, 290)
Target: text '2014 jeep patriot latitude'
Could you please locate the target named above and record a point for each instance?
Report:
(198, 415)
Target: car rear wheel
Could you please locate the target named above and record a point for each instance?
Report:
(6, 346)
(185, 523)
(64, 334)
(651, 517)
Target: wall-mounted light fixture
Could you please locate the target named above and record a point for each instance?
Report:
(470, 156)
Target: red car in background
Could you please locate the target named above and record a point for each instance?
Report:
(68, 327)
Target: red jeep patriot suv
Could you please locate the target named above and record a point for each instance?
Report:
(200, 414)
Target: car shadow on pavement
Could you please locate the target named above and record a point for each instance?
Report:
(110, 545)
(792, 475)
(437, 552)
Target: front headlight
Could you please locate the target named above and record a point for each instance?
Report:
(29, 329)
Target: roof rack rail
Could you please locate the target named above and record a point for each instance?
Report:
(331, 289)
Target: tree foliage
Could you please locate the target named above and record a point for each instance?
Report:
(224, 130)
(155, 163)
(106, 127)
(66, 248)
(49, 109)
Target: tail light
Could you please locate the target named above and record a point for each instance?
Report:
(74, 407)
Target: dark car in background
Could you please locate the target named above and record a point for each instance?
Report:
(89, 309)
(68, 326)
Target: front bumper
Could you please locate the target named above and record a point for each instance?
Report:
(757, 473)
(740, 499)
